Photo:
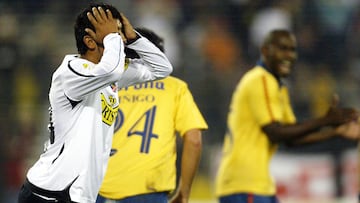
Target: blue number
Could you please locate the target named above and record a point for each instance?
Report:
(119, 120)
(147, 129)
(142, 127)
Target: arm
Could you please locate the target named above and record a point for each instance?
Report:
(84, 75)
(278, 132)
(191, 153)
(152, 65)
(311, 131)
(350, 130)
(158, 65)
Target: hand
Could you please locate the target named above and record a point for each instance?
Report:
(350, 130)
(178, 197)
(127, 29)
(337, 116)
(103, 22)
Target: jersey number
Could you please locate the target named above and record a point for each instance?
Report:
(142, 127)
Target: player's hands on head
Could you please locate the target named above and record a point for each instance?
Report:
(103, 22)
(337, 116)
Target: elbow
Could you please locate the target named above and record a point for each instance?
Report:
(197, 144)
(165, 71)
(193, 139)
(275, 139)
(169, 69)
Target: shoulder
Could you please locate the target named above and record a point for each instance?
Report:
(258, 74)
(78, 65)
(175, 81)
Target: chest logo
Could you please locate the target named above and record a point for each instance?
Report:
(109, 110)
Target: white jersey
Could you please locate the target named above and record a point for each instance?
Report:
(84, 102)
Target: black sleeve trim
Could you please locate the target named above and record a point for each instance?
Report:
(60, 196)
(133, 40)
(77, 73)
(72, 102)
(61, 151)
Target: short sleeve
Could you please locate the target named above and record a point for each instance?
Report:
(188, 115)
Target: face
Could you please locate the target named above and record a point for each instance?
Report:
(281, 55)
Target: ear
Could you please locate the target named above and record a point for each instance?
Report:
(89, 42)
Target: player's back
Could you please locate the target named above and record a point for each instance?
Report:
(144, 145)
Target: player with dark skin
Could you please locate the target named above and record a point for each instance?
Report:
(261, 118)
(279, 54)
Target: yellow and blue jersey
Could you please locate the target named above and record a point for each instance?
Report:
(258, 100)
(144, 144)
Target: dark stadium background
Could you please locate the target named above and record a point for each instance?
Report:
(211, 43)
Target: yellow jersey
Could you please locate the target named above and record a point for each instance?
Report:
(144, 144)
(258, 99)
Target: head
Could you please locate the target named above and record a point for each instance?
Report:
(278, 52)
(83, 22)
(151, 36)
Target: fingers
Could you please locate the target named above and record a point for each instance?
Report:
(350, 130)
(354, 130)
(103, 23)
(96, 13)
(91, 18)
(90, 32)
(99, 16)
(129, 31)
(109, 14)
(102, 13)
(125, 21)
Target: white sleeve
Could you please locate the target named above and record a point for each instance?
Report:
(152, 65)
(83, 77)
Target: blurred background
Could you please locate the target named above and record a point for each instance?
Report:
(210, 43)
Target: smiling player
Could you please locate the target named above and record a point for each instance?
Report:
(261, 117)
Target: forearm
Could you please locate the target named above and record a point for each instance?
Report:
(278, 132)
(314, 137)
(190, 160)
(156, 60)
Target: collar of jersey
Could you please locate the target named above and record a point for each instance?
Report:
(263, 65)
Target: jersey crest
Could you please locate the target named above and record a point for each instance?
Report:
(109, 112)
(85, 65)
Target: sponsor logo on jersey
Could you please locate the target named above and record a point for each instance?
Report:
(85, 65)
(109, 112)
(160, 85)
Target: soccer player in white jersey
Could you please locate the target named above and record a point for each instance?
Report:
(84, 105)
